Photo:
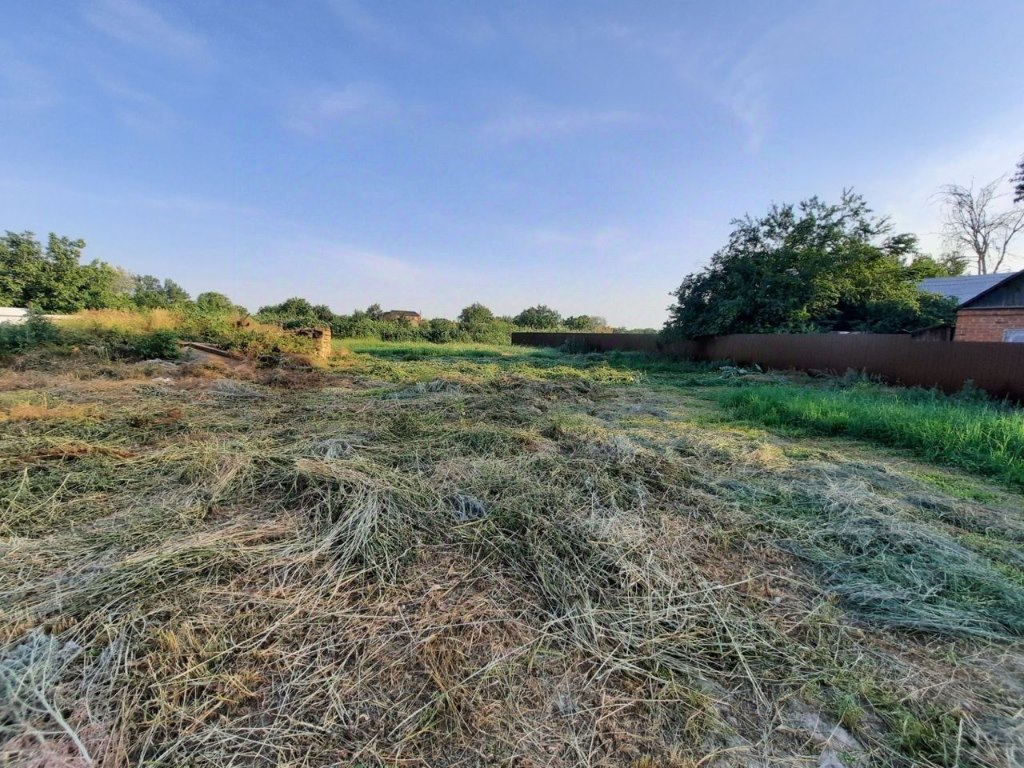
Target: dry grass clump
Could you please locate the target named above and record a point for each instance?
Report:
(229, 572)
(45, 411)
(136, 321)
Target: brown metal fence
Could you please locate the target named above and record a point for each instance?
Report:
(590, 342)
(995, 367)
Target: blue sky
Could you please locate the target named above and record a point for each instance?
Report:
(585, 155)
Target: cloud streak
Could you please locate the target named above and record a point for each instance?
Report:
(546, 123)
(142, 112)
(374, 267)
(365, 26)
(740, 72)
(320, 111)
(136, 24)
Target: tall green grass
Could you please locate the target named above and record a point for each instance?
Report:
(978, 437)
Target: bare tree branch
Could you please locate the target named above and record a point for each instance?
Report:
(975, 224)
(1018, 182)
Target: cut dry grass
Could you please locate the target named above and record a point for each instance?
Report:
(46, 412)
(282, 578)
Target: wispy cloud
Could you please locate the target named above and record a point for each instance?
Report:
(366, 26)
(320, 111)
(613, 244)
(740, 70)
(551, 122)
(137, 200)
(134, 23)
(744, 91)
(374, 267)
(600, 239)
(198, 206)
(736, 79)
(140, 111)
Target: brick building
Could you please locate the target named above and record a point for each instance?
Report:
(991, 306)
(402, 315)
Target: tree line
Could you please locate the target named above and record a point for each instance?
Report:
(809, 267)
(475, 322)
(54, 279)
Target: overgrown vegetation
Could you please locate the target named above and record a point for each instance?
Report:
(142, 335)
(36, 331)
(477, 555)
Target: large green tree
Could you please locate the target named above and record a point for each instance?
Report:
(475, 315)
(214, 303)
(53, 279)
(585, 323)
(810, 267)
(297, 312)
(152, 293)
(540, 316)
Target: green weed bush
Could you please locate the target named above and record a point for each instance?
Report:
(36, 331)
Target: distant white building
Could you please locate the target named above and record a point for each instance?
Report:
(13, 315)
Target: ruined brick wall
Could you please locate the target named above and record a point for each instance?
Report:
(986, 324)
(322, 338)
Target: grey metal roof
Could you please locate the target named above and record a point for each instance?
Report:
(963, 288)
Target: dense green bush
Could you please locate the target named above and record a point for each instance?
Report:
(37, 330)
(157, 344)
(52, 278)
(440, 330)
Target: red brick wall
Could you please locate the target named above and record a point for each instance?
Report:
(986, 324)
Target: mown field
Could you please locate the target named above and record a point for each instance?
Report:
(465, 555)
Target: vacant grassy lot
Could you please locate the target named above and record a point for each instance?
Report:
(474, 556)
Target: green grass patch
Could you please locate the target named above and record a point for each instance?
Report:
(425, 349)
(978, 437)
(423, 361)
(958, 487)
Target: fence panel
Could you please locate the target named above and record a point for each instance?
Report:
(590, 342)
(995, 367)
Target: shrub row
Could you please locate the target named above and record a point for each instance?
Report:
(145, 335)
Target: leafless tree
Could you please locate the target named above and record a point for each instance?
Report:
(979, 222)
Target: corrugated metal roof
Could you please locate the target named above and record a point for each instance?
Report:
(963, 288)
